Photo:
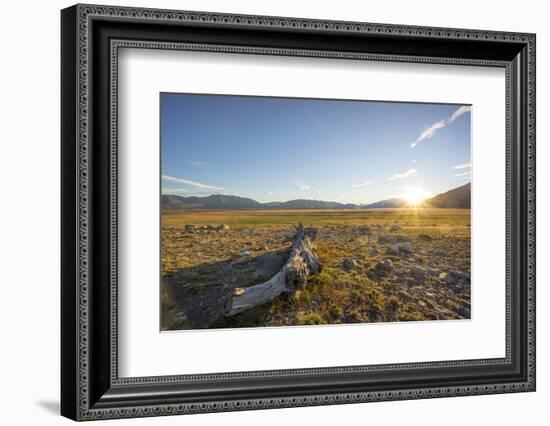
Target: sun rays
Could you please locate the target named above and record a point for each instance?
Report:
(415, 196)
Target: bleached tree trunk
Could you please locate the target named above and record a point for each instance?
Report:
(293, 276)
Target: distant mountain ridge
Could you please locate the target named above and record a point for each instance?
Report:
(232, 202)
(455, 198)
(391, 203)
(212, 202)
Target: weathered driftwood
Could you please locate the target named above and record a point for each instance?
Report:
(293, 276)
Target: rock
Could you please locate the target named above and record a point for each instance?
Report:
(384, 266)
(454, 277)
(210, 227)
(425, 237)
(432, 272)
(439, 253)
(460, 276)
(401, 248)
(418, 273)
(246, 253)
(373, 251)
(385, 239)
(348, 264)
(365, 230)
(223, 227)
(268, 264)
(190, 229)
(450, 294)
(402, 238)
(446, 277)
(421, 303)
(394, 249)
(395, 228)
(406, 248)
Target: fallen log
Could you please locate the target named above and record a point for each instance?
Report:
(293, 276)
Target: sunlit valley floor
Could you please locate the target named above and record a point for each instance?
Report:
(378, 266)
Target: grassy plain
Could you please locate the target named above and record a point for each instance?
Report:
(379, 265)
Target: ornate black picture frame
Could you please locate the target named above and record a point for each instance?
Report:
(91, 36)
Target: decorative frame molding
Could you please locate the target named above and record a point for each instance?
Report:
(91, 388)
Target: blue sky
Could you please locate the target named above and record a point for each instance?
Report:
(278, 149)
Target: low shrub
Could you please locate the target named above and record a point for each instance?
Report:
(312, 318)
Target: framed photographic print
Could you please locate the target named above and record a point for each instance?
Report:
(263, 212)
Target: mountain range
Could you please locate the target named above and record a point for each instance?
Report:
(455, 198)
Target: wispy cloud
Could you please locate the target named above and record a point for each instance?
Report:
(463, 166)
(462, 174)
(302, 186)
(429, 132)
(432, 130)
(408, 173)
(360, 185)
(197, 163)
(176, 191)
(191, 183)
(462, 110)
(270, 192)
(413, 161)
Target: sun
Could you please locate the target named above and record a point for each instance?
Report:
(415, 196)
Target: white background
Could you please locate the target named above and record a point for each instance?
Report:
(29, 229)
(146, 352)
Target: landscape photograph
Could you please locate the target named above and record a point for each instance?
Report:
(312, 212)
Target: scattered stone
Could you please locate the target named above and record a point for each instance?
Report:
(395, 228)
(446, 278)
(460, 276)
(455, 277)
(401, 248)
(385, 239)
(394, 249)
(432, 272)
(365, 230)
(450, 294)
(385, 266)
(223, 227)
(421, 303)
(349, 264)
(418, 273)
(190, 229)
(439, 253)
(246, 253)
(406, 248)
(402, 238)
(425, 237)
(373, 251)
